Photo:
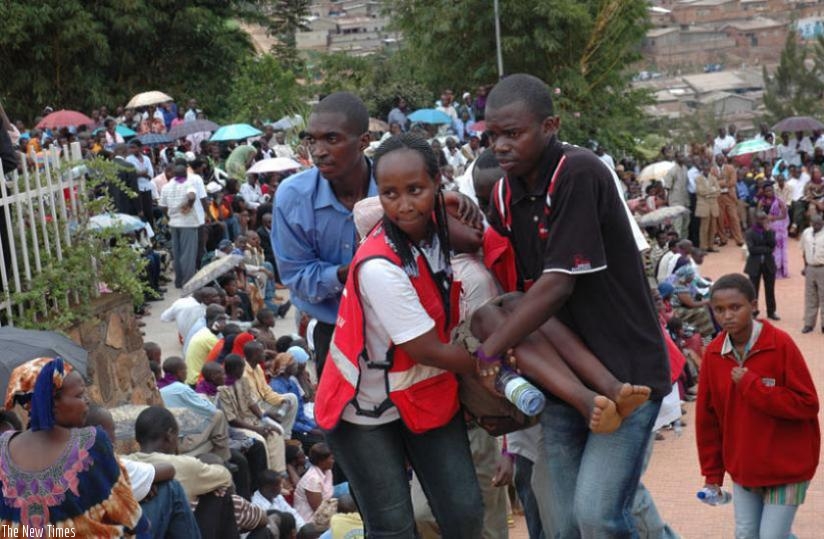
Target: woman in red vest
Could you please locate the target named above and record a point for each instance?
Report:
(388, 396)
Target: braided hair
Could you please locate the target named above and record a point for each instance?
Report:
(398, 239)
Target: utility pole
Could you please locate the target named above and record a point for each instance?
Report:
(498, 41)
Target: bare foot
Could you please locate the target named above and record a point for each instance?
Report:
(605, 417)
(630, 397)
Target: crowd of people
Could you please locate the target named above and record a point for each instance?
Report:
(565, 265)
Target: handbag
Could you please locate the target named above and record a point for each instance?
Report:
(496, 415)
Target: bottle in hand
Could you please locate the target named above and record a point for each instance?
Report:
(712, 496)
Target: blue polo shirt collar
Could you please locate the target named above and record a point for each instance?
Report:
(326, 196)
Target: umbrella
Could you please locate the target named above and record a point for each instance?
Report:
(22, 345)
(148, 98)
(191, 127)
(274, 164)
(64, 118)
(155, 139)
(378, 125)
(235, 132)
(655, 171)
(212, 271)
(288, 122)
(754, 145)
(430, 116)
(121, 129)
(661, 215)
(798, 123)
(124, 221)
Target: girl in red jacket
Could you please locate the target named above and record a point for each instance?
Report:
(757, 415)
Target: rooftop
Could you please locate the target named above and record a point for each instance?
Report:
(725, 81)
(658, 32)
(758, 23)
(702, 3)
(713, 97)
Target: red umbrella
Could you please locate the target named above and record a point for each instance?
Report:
(64, 118)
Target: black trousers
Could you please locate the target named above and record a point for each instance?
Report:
(694, 222)
(768, 275)
(144, 202)
(322, 337)
(215, 516)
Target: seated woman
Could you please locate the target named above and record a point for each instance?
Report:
(687, 306)
(295, 464)
(284, 381)
(316, 484)
(59, 475)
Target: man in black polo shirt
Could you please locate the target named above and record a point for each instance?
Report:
(578, 258)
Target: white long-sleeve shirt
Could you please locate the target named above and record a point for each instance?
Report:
(185, 311)
(278, 504)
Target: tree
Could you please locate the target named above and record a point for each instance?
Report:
(582, 49)
(378, 79)
(796, 87)
(80, 55)
(262, 90)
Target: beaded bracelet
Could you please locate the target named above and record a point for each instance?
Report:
(479, 353)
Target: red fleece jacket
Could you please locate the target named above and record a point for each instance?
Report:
(763, 430)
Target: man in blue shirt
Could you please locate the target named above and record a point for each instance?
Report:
(313, 234)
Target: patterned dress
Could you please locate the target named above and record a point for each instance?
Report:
(85, 491)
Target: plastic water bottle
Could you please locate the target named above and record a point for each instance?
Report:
(714, 497)
(520, 392)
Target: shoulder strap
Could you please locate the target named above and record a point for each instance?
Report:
(553, 182)
(501, 198)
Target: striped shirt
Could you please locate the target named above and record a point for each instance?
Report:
(791, 494)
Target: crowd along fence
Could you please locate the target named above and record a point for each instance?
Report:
(39, 203)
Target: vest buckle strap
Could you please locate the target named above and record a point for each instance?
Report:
(375, 412)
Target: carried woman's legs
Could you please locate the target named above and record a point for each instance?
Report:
(575, 376)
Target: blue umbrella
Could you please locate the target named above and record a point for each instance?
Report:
(235, 132)
(124, 131)
(155, 139)
(121, 130)
(430, 116)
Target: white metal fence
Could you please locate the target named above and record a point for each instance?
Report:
(37, 207)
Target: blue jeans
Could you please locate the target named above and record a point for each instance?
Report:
(522, 479)
(169, 513)
(593, 478)
(756, 520)
(374, 461)
(648, 520)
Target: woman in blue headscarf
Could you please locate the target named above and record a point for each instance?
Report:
(688, 304)
(58, 475)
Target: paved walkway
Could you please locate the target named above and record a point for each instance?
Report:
(673, 476)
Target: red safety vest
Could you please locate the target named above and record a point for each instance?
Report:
(426, 397)
(499, 254)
